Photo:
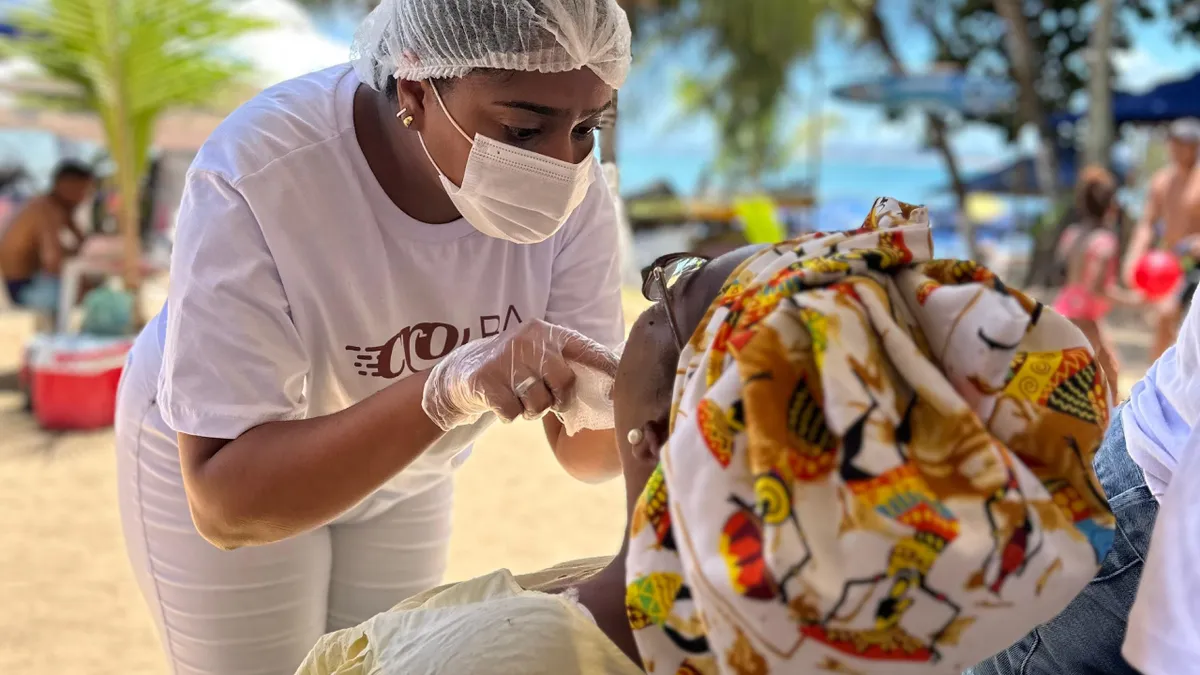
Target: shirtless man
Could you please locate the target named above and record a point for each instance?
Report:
(1174, 199)
(32, 244)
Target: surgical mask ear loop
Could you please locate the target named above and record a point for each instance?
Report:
(446, 111)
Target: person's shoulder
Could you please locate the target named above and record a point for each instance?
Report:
(1160, 178)
(37, 203)
(280, 121)
(40, 207)
(1104, 242)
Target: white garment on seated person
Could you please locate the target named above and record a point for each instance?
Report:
(486, 625)
(1162, 432)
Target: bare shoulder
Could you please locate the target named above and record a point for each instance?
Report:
(38, 204)
(1161, 179)
(34, 211)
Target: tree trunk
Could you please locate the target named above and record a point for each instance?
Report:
(123, 153)
(941, 141)
(1098, 146)
(1023, 57)
(938, 131)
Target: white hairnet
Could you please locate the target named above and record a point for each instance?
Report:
(429, 39)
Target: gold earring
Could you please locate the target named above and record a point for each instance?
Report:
(404, 117)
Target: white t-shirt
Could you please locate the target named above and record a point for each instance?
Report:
(1163, 636)
(298, 288)
(1162, 432)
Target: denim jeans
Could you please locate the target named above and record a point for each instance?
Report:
(1087, 636)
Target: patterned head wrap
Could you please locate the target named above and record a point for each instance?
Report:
(878, 463)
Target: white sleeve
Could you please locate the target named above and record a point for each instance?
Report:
(585, 292)
(1163, 636)
(232, 358)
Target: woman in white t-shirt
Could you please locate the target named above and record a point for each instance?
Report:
(371, 264)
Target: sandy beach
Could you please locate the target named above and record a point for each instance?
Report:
(69, 601)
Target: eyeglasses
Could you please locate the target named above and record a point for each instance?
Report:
(662, 275)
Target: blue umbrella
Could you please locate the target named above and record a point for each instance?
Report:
(1166, 102)
(1020, 177)
(949, 90)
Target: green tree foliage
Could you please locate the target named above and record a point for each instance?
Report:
(128, 62)
(974, 35)
(971, 34)
(754, 46)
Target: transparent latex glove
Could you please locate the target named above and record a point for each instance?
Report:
(523, 373)
(592, 405)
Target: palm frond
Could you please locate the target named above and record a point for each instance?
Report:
(129, 62)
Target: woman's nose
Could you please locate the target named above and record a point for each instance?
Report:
(566, 148)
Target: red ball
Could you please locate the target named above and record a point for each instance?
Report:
(1157, 274)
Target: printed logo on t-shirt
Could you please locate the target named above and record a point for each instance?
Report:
(420, 346)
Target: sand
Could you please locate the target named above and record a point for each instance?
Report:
(68, 603)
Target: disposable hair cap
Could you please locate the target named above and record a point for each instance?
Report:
(430, 39)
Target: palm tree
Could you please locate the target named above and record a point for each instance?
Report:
(128, 62)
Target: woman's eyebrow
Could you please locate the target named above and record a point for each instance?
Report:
(549, 111)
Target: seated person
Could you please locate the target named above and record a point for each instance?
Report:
(32, 246)
(857, 484)
(1140, 614)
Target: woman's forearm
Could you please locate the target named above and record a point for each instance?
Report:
(283, 478)
(589, 456)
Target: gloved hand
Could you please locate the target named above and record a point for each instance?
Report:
(519, 374)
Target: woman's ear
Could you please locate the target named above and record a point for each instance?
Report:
(410, 97)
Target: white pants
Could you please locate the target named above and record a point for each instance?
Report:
(258, 610)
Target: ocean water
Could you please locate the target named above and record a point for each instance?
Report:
(920, 180)
(845, 188)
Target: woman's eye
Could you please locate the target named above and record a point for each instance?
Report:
(584, 132)
(519, 134)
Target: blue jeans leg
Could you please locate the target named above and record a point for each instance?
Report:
(1086, 637)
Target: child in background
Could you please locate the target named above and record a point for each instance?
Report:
(1090, 251)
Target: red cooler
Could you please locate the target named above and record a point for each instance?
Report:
(73, 380)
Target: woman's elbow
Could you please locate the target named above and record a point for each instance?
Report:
(226, 518)
(223, 510)
(591, 463)
(219, 526)
(593, 475)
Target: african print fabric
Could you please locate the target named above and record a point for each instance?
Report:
(879, 463)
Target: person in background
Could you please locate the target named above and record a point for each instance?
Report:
(1089, 250)
(1174, 200)
(32, 246)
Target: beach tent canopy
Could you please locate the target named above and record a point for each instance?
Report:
(938, 90)
(1164, 103)
(1020, 177)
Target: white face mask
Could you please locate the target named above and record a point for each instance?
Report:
(514, 194)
